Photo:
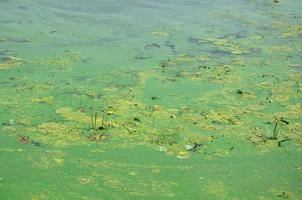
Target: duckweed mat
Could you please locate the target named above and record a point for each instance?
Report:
(150, 99)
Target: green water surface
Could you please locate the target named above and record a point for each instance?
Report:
(161, 99)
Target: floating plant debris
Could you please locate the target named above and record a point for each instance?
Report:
(6, 61)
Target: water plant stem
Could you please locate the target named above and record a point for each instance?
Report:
(94, 120)
(275, 135)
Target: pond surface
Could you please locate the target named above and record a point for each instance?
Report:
(137, 99)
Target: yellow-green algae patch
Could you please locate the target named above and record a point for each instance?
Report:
(59, 134)
(71, 115)
(64, 62)
(47, 100)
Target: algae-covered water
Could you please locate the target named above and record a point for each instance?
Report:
(141, 99)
